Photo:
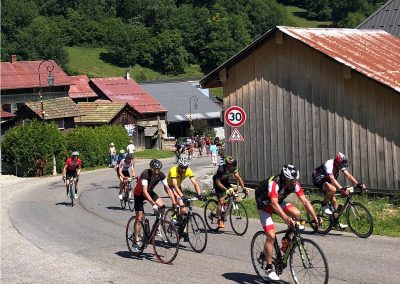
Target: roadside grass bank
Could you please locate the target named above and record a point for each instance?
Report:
(385, 213)
(153, 154)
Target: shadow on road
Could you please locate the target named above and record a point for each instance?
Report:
(64, 203)
(116, 187)
(248, 278)
(127, 254)
(116, 208)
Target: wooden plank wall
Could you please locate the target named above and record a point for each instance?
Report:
(301, 110)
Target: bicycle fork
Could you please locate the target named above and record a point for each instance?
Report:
(305, 258)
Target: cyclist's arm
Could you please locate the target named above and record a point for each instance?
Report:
(120, 170)
(176, 187)
(309, 207)
(350, 177)
(334, 182)
(78, 170)
(147, 195)
(64, 172)
(219, 184)
(239, 179)
(196, 185)
(170, 193)
(133, 171)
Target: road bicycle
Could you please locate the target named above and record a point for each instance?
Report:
(127, 190)
(306, 260)
(163, 236)
(233, 208)
(358, 217)
(191, 226)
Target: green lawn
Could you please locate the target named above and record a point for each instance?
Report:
(153, 154)
(297, 16)
(218, 92)
(83, 60)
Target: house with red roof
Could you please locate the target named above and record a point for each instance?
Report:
(312, 92)
(151, 114)
(19, 82)
(80, 91)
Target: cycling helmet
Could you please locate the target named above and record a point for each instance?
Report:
(155, 164)
(183, 162)
(341, 161)
(122, 151)
(75, 153)
(229, 160)
(290, 172)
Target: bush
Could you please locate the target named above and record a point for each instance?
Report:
(27, 150)
(93, 143)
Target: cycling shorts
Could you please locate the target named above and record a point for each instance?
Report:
(266, 215)
(126, 173)
(319, 181)
(139, 200)
(70, 173)
(219, 191)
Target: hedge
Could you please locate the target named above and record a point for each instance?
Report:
(28, 150)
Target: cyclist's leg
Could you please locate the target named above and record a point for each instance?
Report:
(138, 205)
(76, 179)
(269, 229)
(330, 191)
(290, 210)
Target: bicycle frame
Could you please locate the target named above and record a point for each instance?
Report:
(149, 236)
(348, 201)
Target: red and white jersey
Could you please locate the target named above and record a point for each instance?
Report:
(72, 165)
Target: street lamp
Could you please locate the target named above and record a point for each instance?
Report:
(50, 81)
(195, 99)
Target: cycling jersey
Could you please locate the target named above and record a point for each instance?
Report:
(321, 174)
(72, 165)
(175, 174)
(223, 173)
(146, 178)
(274, 188)
(125, 166)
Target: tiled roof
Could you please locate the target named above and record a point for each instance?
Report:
(55, 108)
(175, 96)
(386, 18)
(98, 112)
(119, 89)
(374, 53)
(80, 88)
(24, 74)
(6, 114)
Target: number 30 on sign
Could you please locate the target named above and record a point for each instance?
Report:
(235, 116)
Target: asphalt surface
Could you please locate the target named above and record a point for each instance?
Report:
(44, 240)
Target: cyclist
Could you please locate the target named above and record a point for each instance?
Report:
(72, 167)
(144, 190)
(270, 195)
(325, 178)
(176, 175)
(123, 171)
(221, 183)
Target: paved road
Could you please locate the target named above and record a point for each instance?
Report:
(46, 241)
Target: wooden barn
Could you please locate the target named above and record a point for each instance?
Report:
(309, 93)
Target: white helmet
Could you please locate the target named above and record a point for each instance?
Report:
(290, 172)
(184, 161)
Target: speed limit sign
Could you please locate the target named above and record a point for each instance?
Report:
(235, 116)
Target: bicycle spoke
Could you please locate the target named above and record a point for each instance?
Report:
(197, 233)
(238, 218)
(166, 242)
(360, 220)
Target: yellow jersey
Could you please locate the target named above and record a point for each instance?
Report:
(174, 174)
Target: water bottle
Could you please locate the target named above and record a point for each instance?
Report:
(285, 243)
(147, 227)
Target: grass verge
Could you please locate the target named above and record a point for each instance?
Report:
(386, 215)
(154, 154)
(298, 17)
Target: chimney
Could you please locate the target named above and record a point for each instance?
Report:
(127, 75)
(13, 58)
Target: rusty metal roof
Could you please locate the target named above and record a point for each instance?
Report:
(119, 89)
(80, 88)
(24, 74)
(374, 53)
(6, 114)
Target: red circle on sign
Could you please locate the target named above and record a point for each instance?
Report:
(235, 116)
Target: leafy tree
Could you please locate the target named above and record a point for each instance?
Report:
(171, 55)
(201, 127)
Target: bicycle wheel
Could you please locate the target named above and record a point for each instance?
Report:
(166, 242)
(308, 263)
(130, 236)
(360, 220)
(197, 232)
(327, 222)
(238, 218)
(258, 257)
(71, 192)
(210, 215)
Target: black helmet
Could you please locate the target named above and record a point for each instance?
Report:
(290, 172)
(155, 164)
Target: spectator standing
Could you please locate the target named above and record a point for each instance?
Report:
(207, 141)
(113, 154)
(213, 150)
(131, 149)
